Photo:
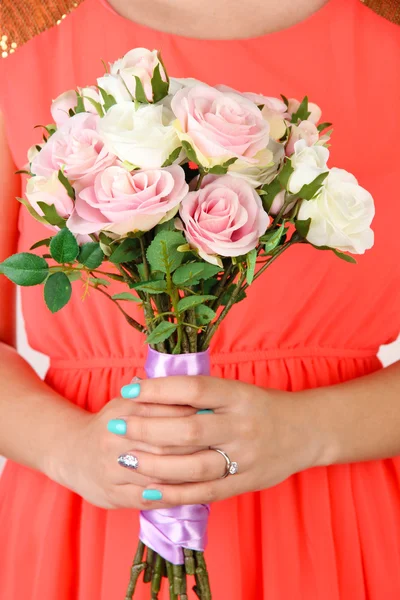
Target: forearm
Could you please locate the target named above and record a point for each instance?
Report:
(358, 420)
(34, 419)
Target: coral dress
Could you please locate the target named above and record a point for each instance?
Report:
(326, 533)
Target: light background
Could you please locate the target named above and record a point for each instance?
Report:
(388, 354)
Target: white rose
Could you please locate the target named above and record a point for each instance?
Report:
(265, 170)
(177, 83)
(308, 162)
(142, 136)
(113, 84)
(341, 214)
(140, 63)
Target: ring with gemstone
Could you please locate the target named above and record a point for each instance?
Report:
(231, 467)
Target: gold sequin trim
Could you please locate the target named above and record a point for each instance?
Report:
(20, 20)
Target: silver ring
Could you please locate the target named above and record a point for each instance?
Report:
(231, 467)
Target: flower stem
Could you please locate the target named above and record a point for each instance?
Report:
(213, 328)
(157, 576)
(269, 262)
(137, 567)
(128, 318)
(202, 576)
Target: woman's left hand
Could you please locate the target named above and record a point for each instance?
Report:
(270, 434)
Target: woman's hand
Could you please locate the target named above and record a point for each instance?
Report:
(88, 462)
(268, 433)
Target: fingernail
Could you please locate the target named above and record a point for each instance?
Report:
(117, 426)
(205, 411)
(129, 461)
(130, 391)
(152, 495)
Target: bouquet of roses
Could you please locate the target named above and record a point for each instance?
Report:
(185, 194)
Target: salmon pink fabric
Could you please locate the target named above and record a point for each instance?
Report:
(326, 533)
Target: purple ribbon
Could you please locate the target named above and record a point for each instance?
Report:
(169, 530)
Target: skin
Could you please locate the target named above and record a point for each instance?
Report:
(272, 434)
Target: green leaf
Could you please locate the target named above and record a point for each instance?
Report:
(126, 296)
(323, 126)
(272, 238)
(25, 269)
(57, 291)
(97, 105)
(91, 255)
(41, 243)
(105, 243)
(302, 113)
(343, 256)
(286, 101)
(162, 332)
(163, 254)
(127, 251)
(285, 174)
(209, 285)
(204, 314)
(251, 265)
(74, 275)
(166, 226)
(108, 99)
(309, 191)
(172, 157)
(190, 153)
(51, 216)
(49, 128)
(222, 169)
(64, 247)
(99, 281)
(268, 193)
(226, 297)
(192, 273)
(23, 172)
(140, 95)
(156, 286)
(192, 301)
(303, 227)
(80, 106)
(159, 86)
(66, 184)
(32, 212)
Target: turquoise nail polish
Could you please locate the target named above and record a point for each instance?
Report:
(130, 391)
(152, 495)
(205, 411)
(117, 426)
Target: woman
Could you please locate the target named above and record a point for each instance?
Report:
(303, 407)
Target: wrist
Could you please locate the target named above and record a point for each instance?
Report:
(65, 445)
(323, 446)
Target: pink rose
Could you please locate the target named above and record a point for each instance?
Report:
(50, 191)
(314, 109)
(306, 131)
(76, 147)
(123, 202)
(225, 217)
(219, 125)
(274, 112)
(141, 63)
(61, 106)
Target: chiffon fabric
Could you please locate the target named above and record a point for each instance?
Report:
(326, 533)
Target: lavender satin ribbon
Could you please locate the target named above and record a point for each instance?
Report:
(169, 530)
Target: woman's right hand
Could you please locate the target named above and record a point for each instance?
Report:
(88, 462)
